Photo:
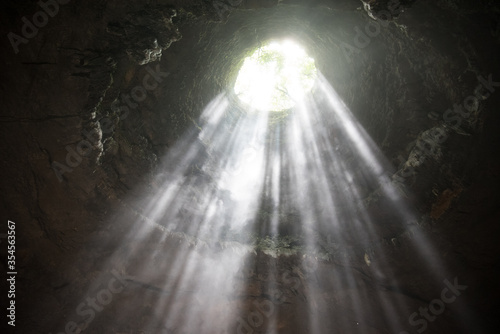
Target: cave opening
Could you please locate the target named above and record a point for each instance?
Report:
(275, 76)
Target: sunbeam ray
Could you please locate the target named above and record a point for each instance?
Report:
(236, 178)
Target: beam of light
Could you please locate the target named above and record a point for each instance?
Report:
(230, 163)
(275, 193)
(210, 183)
(332, 175)
(320, 163)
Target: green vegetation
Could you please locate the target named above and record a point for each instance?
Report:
(275, 77)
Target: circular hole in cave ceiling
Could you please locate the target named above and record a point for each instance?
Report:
(275, 76)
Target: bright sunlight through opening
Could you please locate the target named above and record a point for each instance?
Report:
(275, 77)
